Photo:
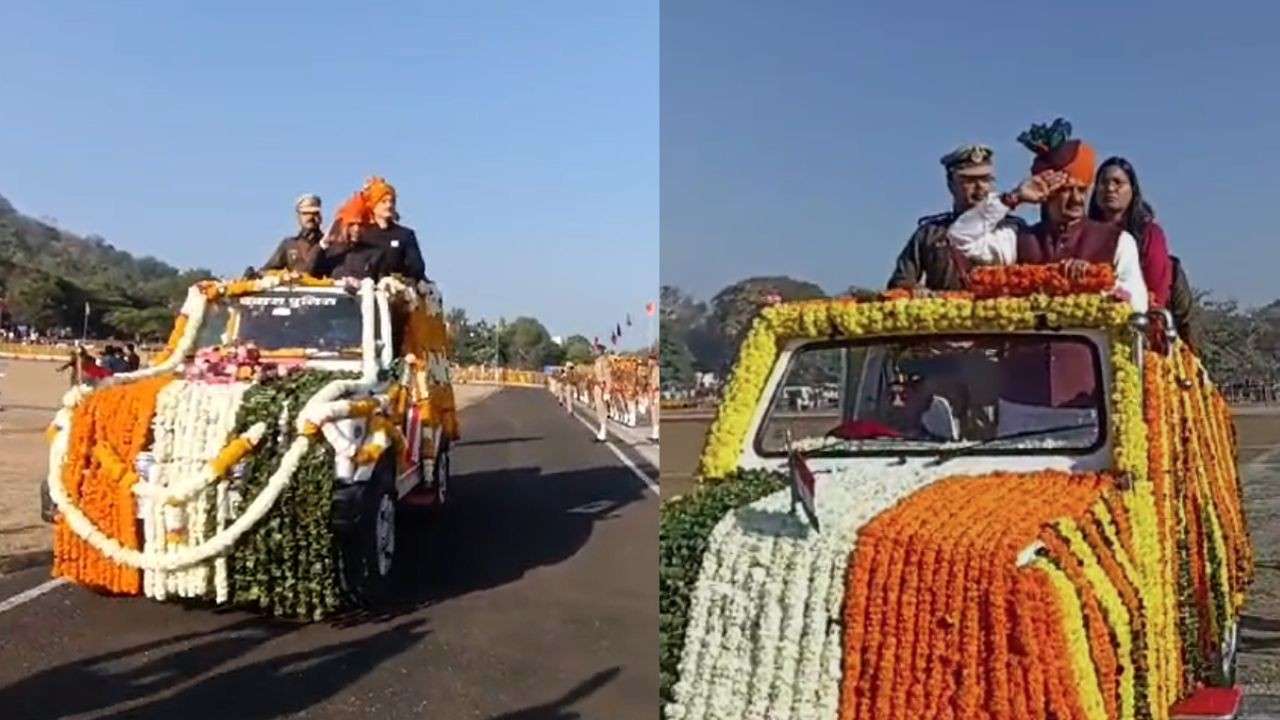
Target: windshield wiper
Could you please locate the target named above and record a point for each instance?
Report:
(973, 447)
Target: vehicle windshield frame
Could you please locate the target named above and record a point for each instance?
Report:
(940, 448)
(353, 352)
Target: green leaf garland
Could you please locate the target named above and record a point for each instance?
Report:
(683, 530)
(287, 565)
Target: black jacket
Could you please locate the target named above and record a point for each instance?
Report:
(360, 261)
(400, 254)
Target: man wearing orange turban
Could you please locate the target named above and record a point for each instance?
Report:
(400, 254)
(347, 254)
(1061, 175)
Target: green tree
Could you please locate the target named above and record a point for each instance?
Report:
(578, 350)
(675, 360)
(37, 299)
(734, 308)
(149, 324)
(527, 345)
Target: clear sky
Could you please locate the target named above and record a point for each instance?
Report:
(803, 138)
(522, 137)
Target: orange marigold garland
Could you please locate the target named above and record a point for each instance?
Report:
(110, 426)
(1021, 280)
(981, 622)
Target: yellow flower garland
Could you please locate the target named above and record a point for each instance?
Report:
(1077, 642)
(1113, 606)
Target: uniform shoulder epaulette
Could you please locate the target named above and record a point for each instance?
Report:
(935, 219)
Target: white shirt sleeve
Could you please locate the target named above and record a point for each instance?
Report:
(976, 235)
(1129, 272)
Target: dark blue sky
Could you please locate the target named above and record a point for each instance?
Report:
(803, 138)
(523, 137)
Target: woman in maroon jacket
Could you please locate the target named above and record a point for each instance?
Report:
(1117, 198)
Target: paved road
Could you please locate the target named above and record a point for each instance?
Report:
(535, 597)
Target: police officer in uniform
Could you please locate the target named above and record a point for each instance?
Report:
(602, 391)
(566, 387)
(928, 261)
(300, 252)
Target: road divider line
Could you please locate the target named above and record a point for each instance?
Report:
(32, 594)
(635, 469)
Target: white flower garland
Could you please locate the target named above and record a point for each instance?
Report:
(192, 424)
(185, 488)
(764, 632)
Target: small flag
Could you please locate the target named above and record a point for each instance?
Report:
(619, 330)
(803, 485)
(650, 309)
(628, 319)
(413, 434)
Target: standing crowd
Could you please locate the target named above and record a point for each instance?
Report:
(84, 366)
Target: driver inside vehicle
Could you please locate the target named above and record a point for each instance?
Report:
(927, 403)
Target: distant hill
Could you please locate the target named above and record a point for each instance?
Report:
(47, 274)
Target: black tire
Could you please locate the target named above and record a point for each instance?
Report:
(441, 472)
(368, 546)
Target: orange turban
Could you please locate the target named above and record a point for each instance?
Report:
(1074, 157)
(1055, 150)
(375, 189)
(354, 212)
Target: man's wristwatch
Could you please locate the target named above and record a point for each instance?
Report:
(1011, 199)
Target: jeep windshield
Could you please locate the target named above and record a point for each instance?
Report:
(282, 321)
(936, 395)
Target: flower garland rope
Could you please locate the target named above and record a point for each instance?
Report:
(286, 564)
(109, 429)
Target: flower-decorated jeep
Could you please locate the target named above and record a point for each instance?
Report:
(1024, 503)
(263, 458)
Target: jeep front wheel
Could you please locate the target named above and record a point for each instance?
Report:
(369, 546)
